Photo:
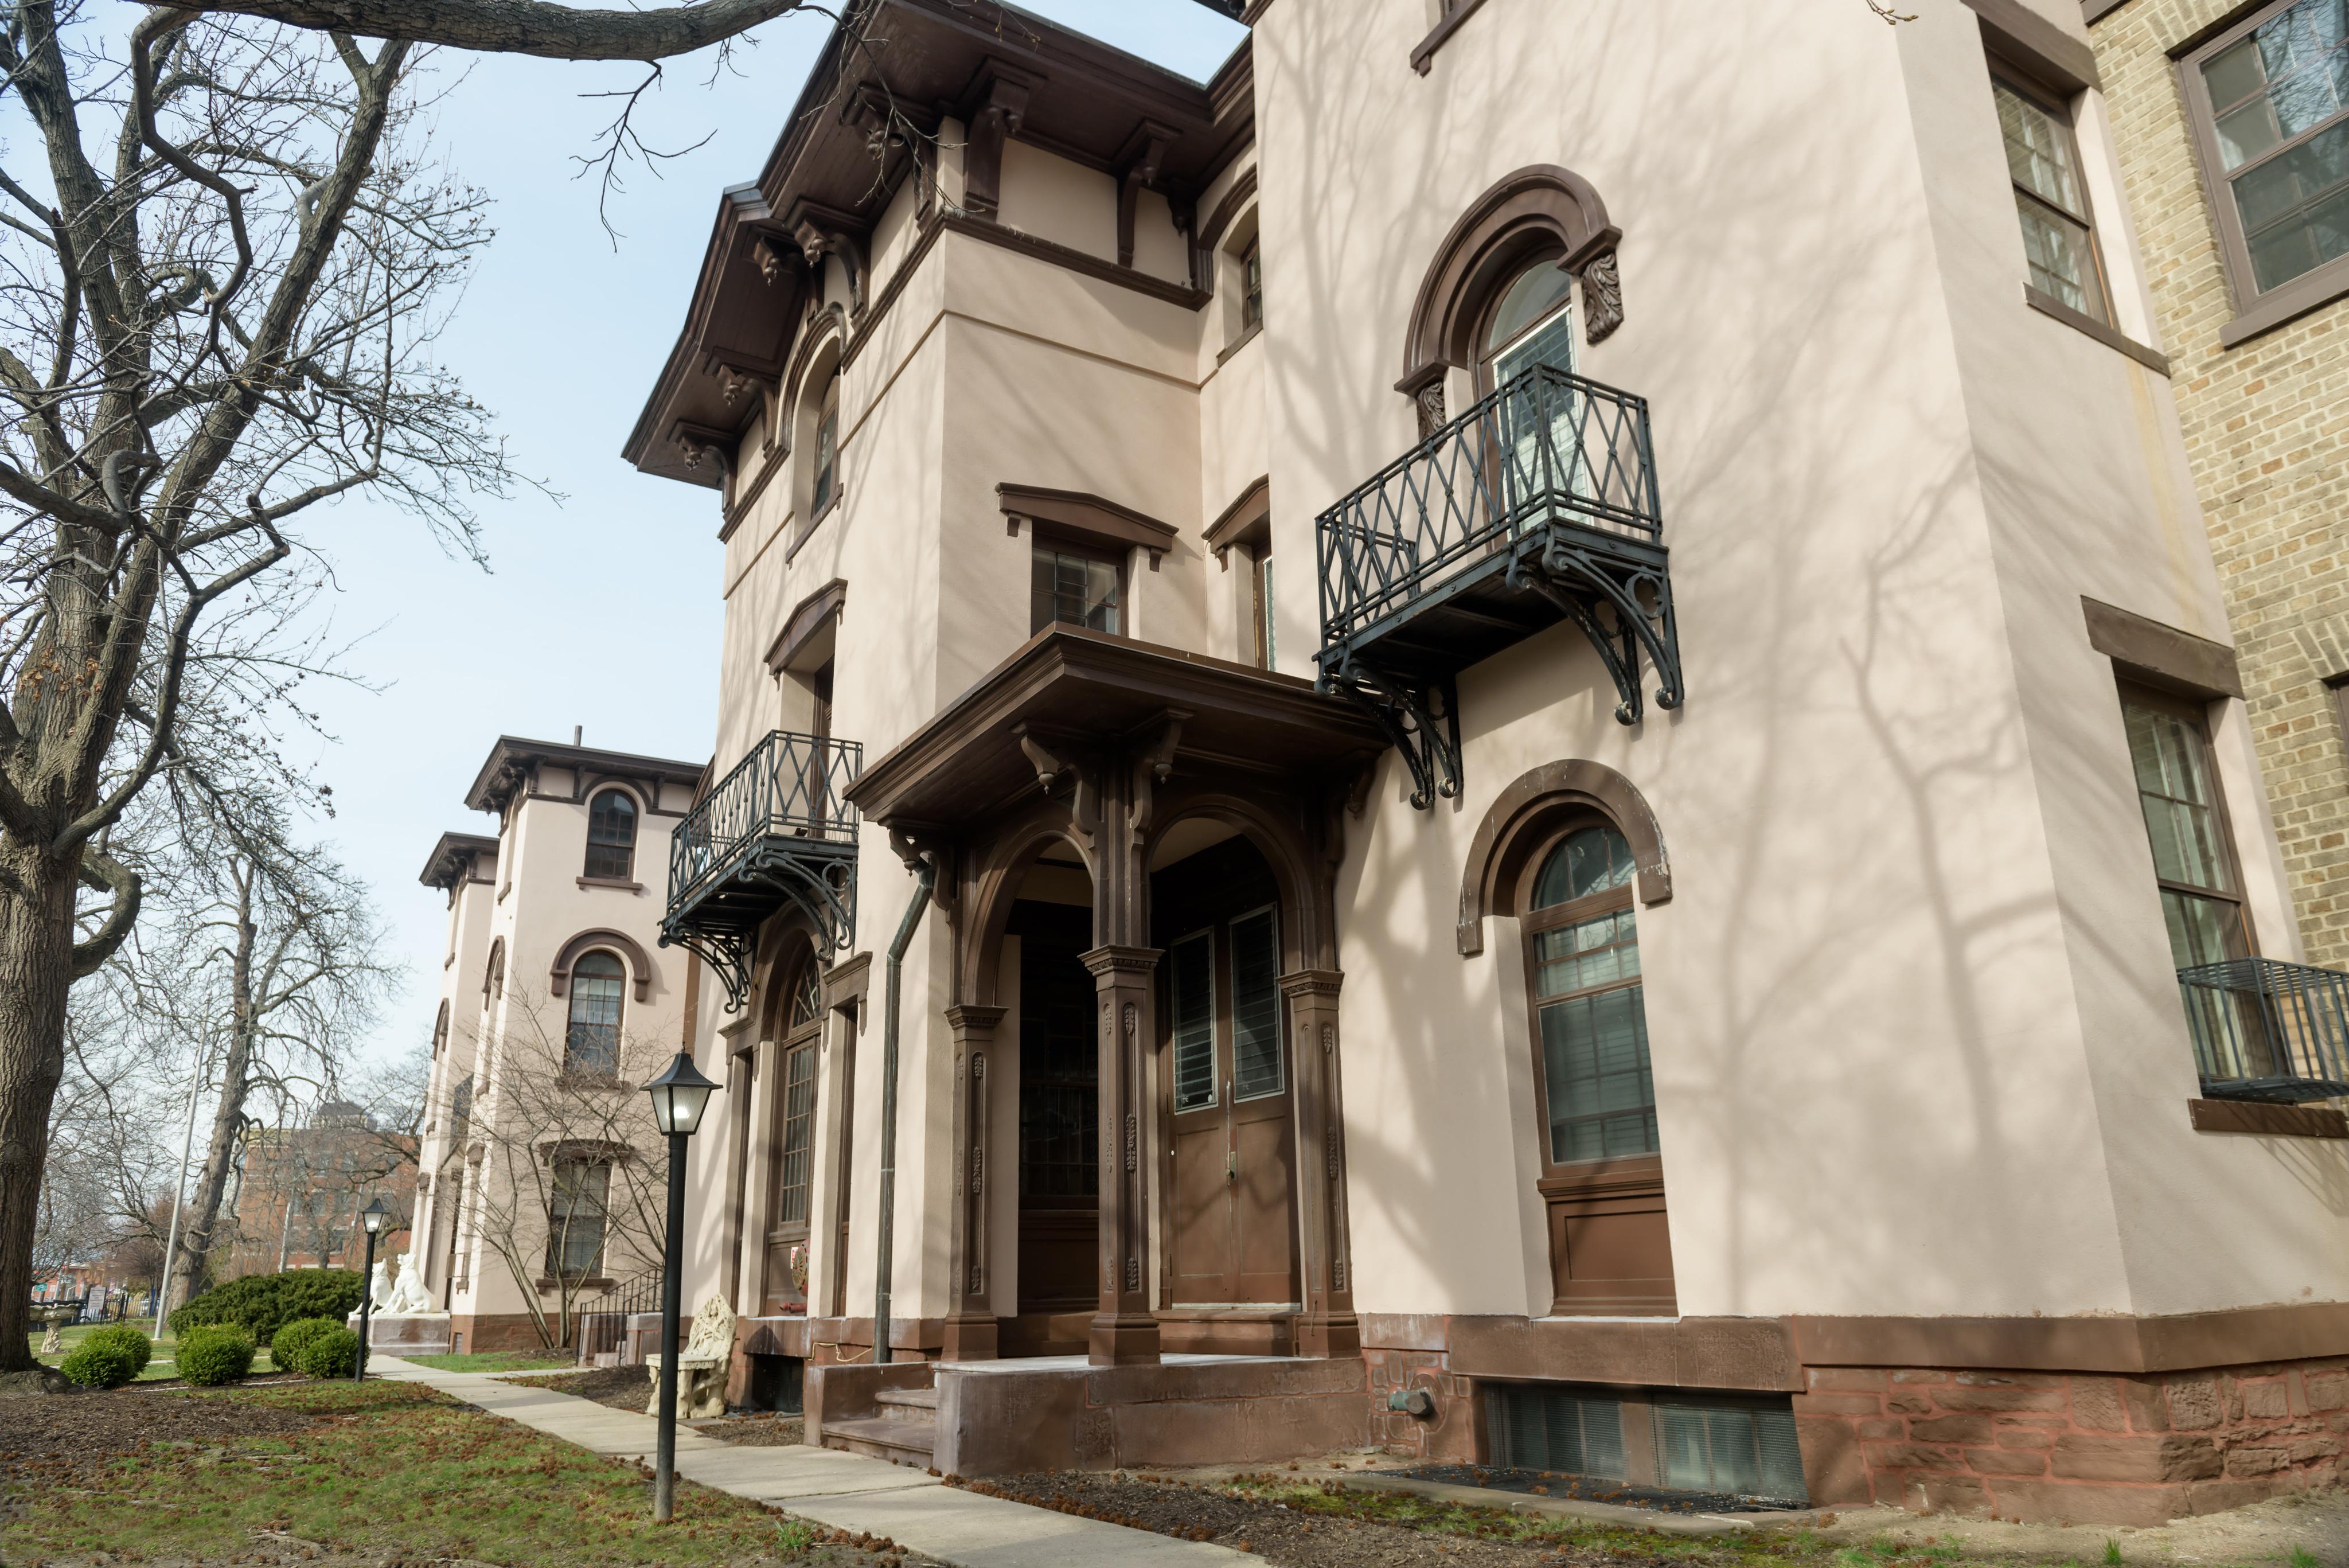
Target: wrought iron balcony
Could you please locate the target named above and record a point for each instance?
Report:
(1537, 505)
(777, 832)
(2265, 1030)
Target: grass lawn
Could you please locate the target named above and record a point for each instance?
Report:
(387, 1471)
(497, 1361)
(158, 1367)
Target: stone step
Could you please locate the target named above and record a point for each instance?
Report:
(878, 1437)
(916, 1406)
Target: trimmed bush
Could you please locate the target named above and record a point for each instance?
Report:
(97, 1364)
(215, 1352)
(134, 1340)
(285, 1346)
(263, 1304)
(333, 1354)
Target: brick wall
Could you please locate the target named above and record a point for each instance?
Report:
(2072, 1447)
(2269, 444)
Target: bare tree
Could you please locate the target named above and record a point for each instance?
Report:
(573, 1182)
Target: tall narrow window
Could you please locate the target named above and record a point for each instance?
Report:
(827, 450)
(1252, 285)
(1261, 569)
(591, 1043)
(1192, 982)
(575, 1216)
(1258, 1061)
(1075, 588)
(612, 835)
(1535, 428)
(793, 1143)
(2269, 100)
(2201, 900)
(2051, 198)
(1600, 1095)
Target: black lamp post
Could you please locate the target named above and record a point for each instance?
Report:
(679, 1096)
(372, 1217)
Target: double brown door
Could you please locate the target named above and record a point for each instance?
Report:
(1230, 1144)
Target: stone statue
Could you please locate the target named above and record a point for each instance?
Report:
(701, 1369)
(408, 1296)
(379, 1286)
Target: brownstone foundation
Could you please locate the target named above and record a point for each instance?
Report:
(2072, 1447)
(475, 1333)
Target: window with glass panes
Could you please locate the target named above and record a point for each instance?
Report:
(2050, 198)
(591, 1042)
(2272, 103)
(1252, 285)
(827, 450)
(2177, 786)
(612, 835)
(575, 1212)
(795, 1144)
(1074, 586)
(1598, 1096)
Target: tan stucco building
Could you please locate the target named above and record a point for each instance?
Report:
(2232, 126)
(538, 1193)
(1417, 749)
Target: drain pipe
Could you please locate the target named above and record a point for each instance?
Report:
(925, 878)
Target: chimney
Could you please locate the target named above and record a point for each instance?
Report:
(578, 733)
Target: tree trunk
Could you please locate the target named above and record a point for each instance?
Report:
(228, 1116)
(36, 936)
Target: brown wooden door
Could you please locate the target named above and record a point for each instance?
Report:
(1060, 1113)
(1229, 1118)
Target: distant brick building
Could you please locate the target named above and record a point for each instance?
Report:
(2224, 158)
(299, 1191)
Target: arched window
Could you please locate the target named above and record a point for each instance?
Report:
(612, 835)
(1602, 1174)
(441, 1030)
(793, 1142)
(827, 449)
(591, 1044)
(1530, 323)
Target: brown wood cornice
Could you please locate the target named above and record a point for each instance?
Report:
(807, 617)
(1246, 521)
(1077, 261)
(1090, 517)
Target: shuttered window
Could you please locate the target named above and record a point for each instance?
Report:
(1193, 961)
(1256, 1061)
(1555, 1431)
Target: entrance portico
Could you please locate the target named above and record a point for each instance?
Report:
(1161, 788)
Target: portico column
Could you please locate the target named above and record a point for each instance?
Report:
(1327, 1327)
(970, 1332)
(1123, 1333)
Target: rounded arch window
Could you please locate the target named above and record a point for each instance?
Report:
(824, 485)
(1531, 323)
(1582, 960)
(591, 1041)
(440, 1029)
(612, 835)
(792, 1137)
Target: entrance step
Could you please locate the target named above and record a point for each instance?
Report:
(880, 1437)
(912, 1406)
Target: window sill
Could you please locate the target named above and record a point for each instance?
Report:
(1242, 341)
(578, 1282)
(2259, 1117)
(2110, 336)
(1422, 56)
(623, 884)
(2288, 303)
(813, 522)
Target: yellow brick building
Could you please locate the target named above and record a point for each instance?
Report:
(2231, 123)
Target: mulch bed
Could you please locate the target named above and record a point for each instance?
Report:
(1588, 1488)
(619, 1388)
(91, 1423)
(761, 1430)
(1279, 1534)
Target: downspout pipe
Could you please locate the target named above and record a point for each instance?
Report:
(926, 881)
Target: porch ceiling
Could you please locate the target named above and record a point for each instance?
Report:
(1080, 691)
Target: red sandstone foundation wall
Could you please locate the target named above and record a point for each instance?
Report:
(480, 1334)
(2072, 1447)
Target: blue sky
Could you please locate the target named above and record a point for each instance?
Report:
(602, 611)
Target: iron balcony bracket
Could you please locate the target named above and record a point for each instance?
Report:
(729, 952)
(1622, 604)
(817, 876)
(1422, 717)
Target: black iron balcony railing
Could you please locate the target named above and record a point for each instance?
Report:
(1538, 504)
(2265, 1030)
(776, 831)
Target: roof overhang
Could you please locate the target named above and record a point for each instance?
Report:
(1077, 688)
(512, 762)
(448, 864)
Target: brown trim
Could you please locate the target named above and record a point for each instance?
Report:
(1753, 1353)
(1423, 56)
(1517, 823)
(2065, 61)
(626, 884)
(1248, 521)
(900, 276)
(2111, 337)
(1253, 330)
(2288, 302)
(2258, 1117)
(2161, 655)
(640, 967)
(807, 618)
(1075, 261)
(846, 982)
(456, 858)
(2095, 11)
(1089, 517)
(1228, 211)
(1538, 210)
(2235, 1337)
(734, 511)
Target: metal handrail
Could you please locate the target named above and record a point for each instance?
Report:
(2267, 1030)
(1547, 448)
(791, 785)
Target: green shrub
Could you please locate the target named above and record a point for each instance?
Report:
(263, 1304)
(134, 1340)
(333, 1354)
(285, 1346)
(95, 1365)
(215, 1352)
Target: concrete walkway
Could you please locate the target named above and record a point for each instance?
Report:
(843, 1492)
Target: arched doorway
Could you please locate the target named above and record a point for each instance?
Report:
(1057, 1060)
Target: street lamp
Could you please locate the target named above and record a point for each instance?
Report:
(679, 1096)
(372, 1217)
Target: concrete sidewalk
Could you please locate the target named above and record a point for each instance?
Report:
(843, 1492)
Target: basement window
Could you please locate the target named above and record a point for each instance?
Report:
(1729, 1445)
